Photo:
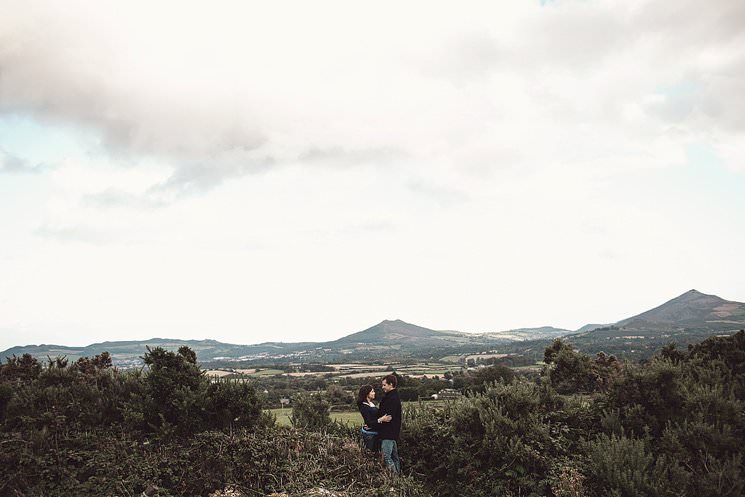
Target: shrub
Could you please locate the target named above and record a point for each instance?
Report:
(619, 466)
(274, 460)
(310, 412)
(487, 444)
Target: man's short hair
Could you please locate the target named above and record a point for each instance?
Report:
(391, 380)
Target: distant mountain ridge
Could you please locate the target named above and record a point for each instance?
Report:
(590, 327)
(521, 334)
(692, 309)
(402, 333)
(686, 319)
(691, 316)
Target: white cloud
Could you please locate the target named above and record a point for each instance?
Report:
(13, 164)
(222, 92)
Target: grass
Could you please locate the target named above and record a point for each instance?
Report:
(452, 358)
(267, 372)
(349, 418)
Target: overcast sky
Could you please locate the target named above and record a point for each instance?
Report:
(254, 171)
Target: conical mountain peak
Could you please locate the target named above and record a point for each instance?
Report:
(690, 309)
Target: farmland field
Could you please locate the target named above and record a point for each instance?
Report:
(352, 418)
(344, 371)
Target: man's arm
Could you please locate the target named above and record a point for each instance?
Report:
(383, 414)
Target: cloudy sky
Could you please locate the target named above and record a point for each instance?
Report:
(253, 171)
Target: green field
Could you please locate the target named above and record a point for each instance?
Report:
(352, 418)
(267, 372)
(452, 358)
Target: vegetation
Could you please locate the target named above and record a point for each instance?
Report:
(88, 429)
(586, 426)
(670, 427)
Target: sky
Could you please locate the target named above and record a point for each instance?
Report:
(298, 171)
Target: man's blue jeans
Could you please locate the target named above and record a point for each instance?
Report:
(390, 455)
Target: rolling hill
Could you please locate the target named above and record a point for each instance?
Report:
(688, 318)
(521, 334)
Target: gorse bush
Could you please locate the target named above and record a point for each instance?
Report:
(88, 429)
(619, 466)
(494, 443)
(671, 427)
(258, 463)
(173, 398)
(310, 412)
(569, 371)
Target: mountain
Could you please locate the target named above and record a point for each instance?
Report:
(129, 353)
(688, 318)
(386, 339)
(590, 327)
(402, 334)
(692, 309)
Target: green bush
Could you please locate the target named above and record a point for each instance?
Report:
(494, 443)
(619, 466)
(671, 427)
(281, 460)
(310, 412)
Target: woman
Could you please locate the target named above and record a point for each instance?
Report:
(369, 412)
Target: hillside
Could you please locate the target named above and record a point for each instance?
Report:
(692, 309)
(688, 318)
(521, 334)
(591, 326)
(402, 334)
(128, 353)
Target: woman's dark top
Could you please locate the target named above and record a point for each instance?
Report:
(370, 415)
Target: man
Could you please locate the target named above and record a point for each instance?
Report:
(389, 419)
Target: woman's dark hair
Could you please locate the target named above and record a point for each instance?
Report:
(362, 395)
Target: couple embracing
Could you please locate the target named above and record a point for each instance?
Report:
(382, 424)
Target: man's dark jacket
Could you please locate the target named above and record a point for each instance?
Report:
(391, 404)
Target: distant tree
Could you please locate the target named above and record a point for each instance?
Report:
(336, 395)
(493, 374)
(408, 394)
